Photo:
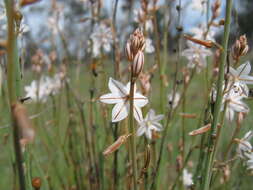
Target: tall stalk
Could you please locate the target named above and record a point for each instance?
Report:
(217, 106)
(132, 132)
(14, 83)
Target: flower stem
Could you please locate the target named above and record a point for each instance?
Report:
(217, 106)
(14, 80)
(132, 137)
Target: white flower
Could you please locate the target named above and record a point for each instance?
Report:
(241, 74)
(196, 55)
(244, 148)
(200, 33)
(187, 178)
(151, 122)
(101, 39)
(232, 98)
(42, 89)
(120, 96)
(149, 48)
(199, 5)
(175, 101)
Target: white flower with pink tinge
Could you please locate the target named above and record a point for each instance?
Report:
(120, 96)
(151, 122)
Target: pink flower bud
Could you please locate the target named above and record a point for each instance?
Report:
(138, 64)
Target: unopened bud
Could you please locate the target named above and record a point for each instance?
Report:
(240, 47)
(135, 43)
(129, 53)
(216, 8)
(138, 64)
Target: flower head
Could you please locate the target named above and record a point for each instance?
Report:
(174, 102)
(196, 55)
(120, 96)
(101, 39)
(40, 90)
(151, 122)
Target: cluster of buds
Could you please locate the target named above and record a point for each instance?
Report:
(240, 48)
(134, 51)
(216, 9)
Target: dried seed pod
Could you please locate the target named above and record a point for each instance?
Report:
(23, 123)
(188, 115)
(116, 145)
(201, 130)
(138, 64)
(28, 2)
(206, 43)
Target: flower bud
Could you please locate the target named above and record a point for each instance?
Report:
(240, 48)
(138, 64)
(129, 54)
(135, 43)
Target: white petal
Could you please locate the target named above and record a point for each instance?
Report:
(239, 106)
(140, 131)
(158, 118)
(156, 126)
(230, 114)
(140, 100)
(151, 114)
(138, 114)
(244, 69)
(116, 87)
(149, 134)
(233, 72)
(247, 79)
(120, 111)
(111, 98)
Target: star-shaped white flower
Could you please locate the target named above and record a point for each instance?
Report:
(151, 122)
(241, 74)
(120, 96)
(233, 101)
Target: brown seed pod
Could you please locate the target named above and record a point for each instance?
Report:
(116, 145)
(206, 43)
(200, 130)
(23, 123)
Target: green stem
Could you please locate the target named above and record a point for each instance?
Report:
(217, 106)
(14, 84)
(132, 132)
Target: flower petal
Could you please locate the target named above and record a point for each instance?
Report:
(116, 87)
(246, 78)
(120, 111)
(230, 114)
(148, 133)
(158, 118)
(238, 106)
(111, 98)
(244, 69)
(233, 72)
(140, 131)
(140, 100)
(138, 114)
